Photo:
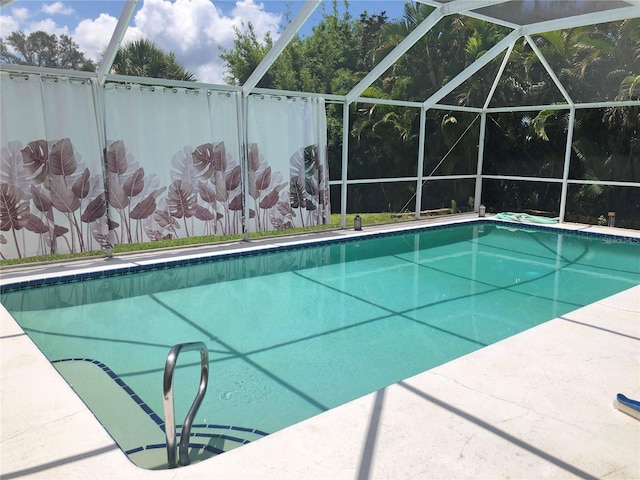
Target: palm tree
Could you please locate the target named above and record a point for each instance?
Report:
(143, 58)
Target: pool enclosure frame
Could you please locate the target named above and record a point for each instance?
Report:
(479, 9)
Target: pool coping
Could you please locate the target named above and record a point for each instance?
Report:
(532, 406)
(26, 276)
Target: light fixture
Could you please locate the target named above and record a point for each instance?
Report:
(357, 223)
(482, 210)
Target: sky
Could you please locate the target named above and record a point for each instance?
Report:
(194, 30)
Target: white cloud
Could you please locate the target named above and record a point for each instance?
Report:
(248, 11)
(46, 25)
(93, 35)
(23, 19)
(8, 25)
(20, 13)
(57, 8)
(210, 73)
(195, 30)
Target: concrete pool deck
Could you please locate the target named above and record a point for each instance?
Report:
(536, 405)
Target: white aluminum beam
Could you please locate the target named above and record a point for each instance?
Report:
(442, 10)
(477, 199)
(564, 106)
(423, 127)
(358, 181)
(116, 39)
(612, 183)
(271, 56)
(565, 22)
(473, 68)
(345, 165)
(44, 71)
(431, 178)
(400, 49)
(549, 70)
(388, 101)
(505, 60)
(161, 82)
(473, 176)
(363, 181)
(455, 108)
(604, 182)
(242, 108)
(292, 93)
(524, 179)
(497, 21)
(471, 13)
(612, 103)
(461, 6)
(595, 18)
(431, 3)
(529, 108)
(567, 164)
(4, 3)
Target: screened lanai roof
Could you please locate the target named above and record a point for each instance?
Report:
(515, 13)
(523, 17)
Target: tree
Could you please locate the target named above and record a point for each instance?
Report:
(594, 62)
(41, 49)
(332, 59)
(143, 58)
(246, 55)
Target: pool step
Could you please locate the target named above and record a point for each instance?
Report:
(136, 428)
(223, 437)
(205, 441)
(115, 405)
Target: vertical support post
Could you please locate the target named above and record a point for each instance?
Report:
(477, 199)
(421, 143)
(345, 165)
(242, 109)
(567, 163)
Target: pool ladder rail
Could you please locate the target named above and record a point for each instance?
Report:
(169, 413)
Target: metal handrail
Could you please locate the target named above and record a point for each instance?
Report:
(167, 392)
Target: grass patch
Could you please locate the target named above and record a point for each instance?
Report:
(367, 219)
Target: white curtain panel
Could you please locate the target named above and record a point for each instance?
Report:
(287, 167)
(52, 194)
(162, 156)
(219, 185)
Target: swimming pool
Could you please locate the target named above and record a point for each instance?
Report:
(398, 305)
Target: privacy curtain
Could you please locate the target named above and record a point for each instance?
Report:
(287, 163)
(51, 184)
(172, 160)
(158, 163)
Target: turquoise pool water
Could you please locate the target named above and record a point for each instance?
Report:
(293, 333)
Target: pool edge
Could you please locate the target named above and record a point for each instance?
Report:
(50, 416)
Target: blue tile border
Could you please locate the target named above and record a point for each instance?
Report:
(554, 229)
(216, 257)
(121, 383)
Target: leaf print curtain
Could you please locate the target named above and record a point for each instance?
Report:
(172, 170)
(287, 165)
(51, 184)
(157, 163)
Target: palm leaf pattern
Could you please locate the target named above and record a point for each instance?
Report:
(51, 177)
(46, 190)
